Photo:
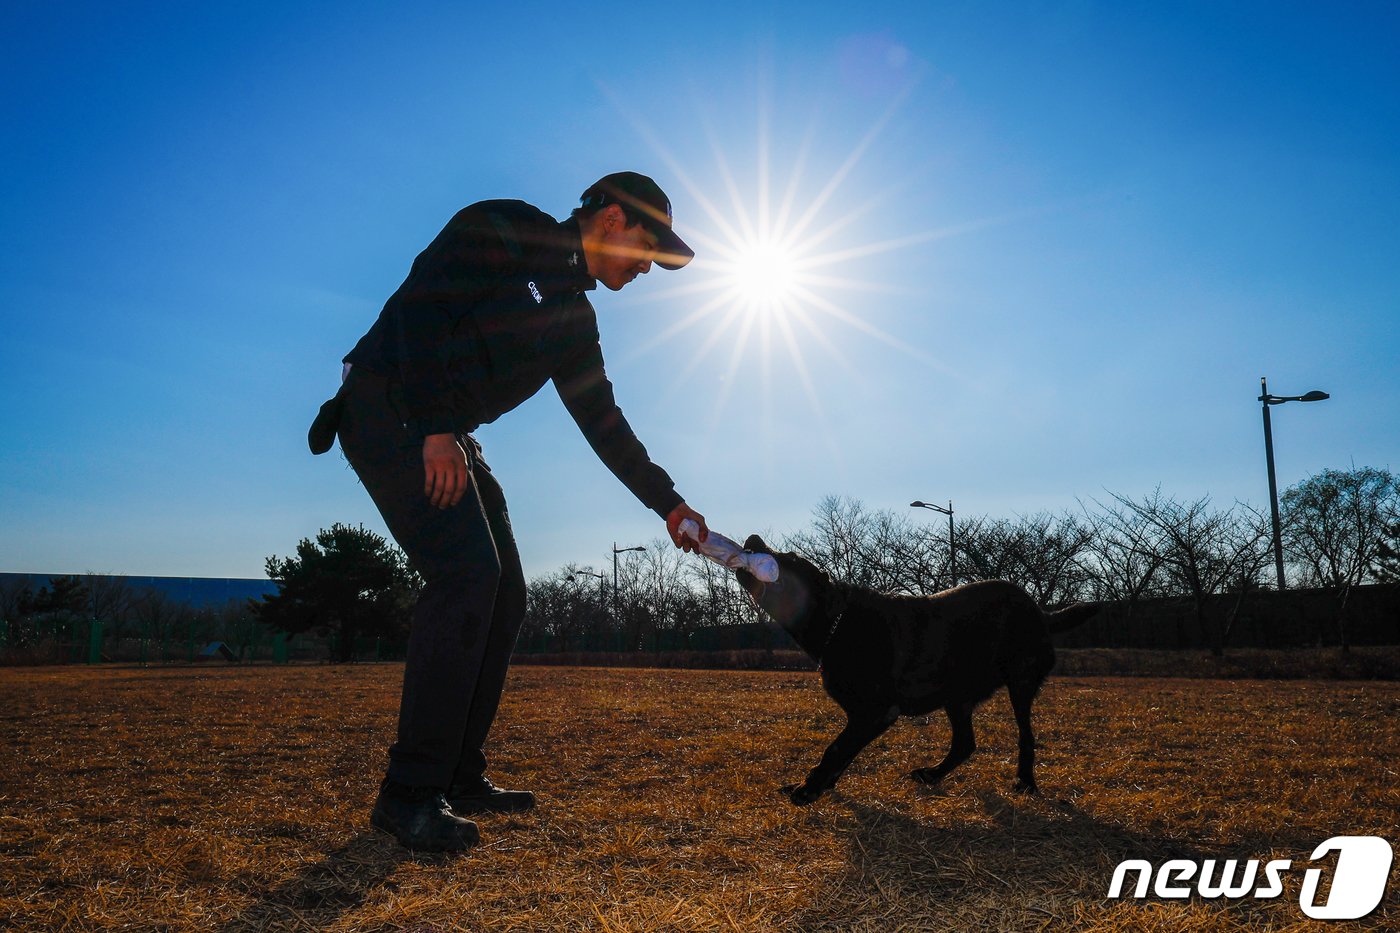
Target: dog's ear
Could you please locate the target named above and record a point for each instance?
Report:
(755, 543)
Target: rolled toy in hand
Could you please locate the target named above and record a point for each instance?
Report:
(722, 551)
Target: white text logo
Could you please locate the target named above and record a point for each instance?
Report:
(1358, 883)
(539, 299)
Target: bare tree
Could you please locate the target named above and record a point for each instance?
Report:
(155, 613)
(590, 606)
(1039, 552)
(1335, 523)
(1388, 556)
(1203, 551)
(562, 610)
(1334, 528)
(882, 550)
(920, 558)
(836, 540)
(236, 626)
(892, 539)
(16, 606)
(1123, 558)
(988, 548)
(723, 602)
(635, 603)
(110, 599)
(663, 588)
(1052, 548)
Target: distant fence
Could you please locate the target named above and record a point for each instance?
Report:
(1366, 615)
(1369, 616)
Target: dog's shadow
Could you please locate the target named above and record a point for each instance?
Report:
(1031, 854)
(324, 890)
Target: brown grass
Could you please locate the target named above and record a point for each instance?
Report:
(236, 799)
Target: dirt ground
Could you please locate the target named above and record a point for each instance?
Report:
(236, 798)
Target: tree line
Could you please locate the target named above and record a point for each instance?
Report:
(52, 622)
(1340, 529)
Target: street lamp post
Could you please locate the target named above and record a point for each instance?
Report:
(1267, 399)
(616, 551)
(602, 600)
(601, 585)
(952, 547)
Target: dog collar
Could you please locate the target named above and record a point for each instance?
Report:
(836, 623)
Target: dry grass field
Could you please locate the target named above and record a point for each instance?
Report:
(234, 798)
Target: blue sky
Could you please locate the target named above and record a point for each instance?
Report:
(1050, 247)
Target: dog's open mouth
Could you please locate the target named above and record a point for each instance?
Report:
(753, 544)
(751, 584)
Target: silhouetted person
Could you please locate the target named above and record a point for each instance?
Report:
(494, 308)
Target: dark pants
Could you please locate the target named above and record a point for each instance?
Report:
(473, 601)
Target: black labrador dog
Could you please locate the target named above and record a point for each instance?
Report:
(883, 657)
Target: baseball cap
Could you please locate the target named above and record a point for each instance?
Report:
(644, 199)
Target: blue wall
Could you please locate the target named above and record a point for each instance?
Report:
(197, 591)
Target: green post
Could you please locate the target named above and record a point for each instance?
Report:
(191, 641)
(279, 648)
(378, 649)
(95, 642)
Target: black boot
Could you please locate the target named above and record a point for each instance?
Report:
(419, 818)
(481, 796)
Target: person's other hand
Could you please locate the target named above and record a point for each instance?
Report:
(673, 525)
(446, 477)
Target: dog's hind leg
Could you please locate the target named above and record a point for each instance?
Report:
(1022, 696)
(862, 728)
(963, 744)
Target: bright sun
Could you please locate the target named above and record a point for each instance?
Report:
(772, 272)
(763, 274)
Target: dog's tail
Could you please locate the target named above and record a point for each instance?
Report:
(1070, 616)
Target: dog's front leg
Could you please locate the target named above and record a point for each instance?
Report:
(861, 729)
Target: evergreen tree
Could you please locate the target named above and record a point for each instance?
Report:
(347, 583)
(64, 599)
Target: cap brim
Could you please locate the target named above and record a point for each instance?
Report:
(671, 251)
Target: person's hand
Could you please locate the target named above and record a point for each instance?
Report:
(445, 475)
(673, 525)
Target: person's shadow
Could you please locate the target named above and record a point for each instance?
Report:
(324, 890)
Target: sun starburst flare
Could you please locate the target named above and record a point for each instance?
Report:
(775, 266)
(762, 274)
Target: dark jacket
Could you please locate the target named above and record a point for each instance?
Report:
(492, 310)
